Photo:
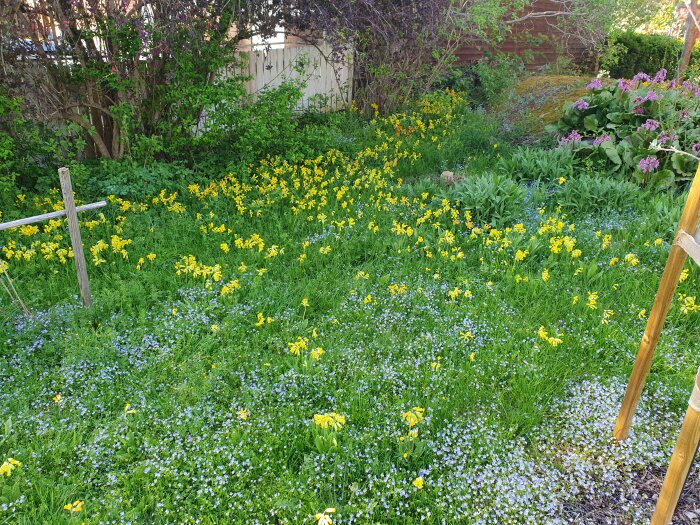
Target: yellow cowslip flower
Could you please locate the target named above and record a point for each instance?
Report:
(174, 311)
(520, 255)
(362, 275)
(472, 356)
(542, 333)
(331, 420)
(261, 319)
(296, 347)
(224, 247)
(302, 258)
(261, 271)
(562, 180)
(215, 328)
(419, 483)
(140, 263)
(128, 409)
(323, 518)
(607, 314)
(317, 353)
(398, 289)
(574, 299)
(631, 259)
(58, 398)
(414, 416)
(230, 287)
(554, 341)
(456, 292)
(369, 299)
(435, 366)
(151, 256)
(520, 279)
(545, 275)
(8, 466)
(29, 230)
(243, 414)
(305, 302)
(658, 242)
(325, 250)
(684, 275)
(614, 261)
(592, 300)
(607, 241)
(642, 313)
(466, 336)
(76, 506)
(688, 303)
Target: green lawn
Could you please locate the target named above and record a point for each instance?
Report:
(325, 335)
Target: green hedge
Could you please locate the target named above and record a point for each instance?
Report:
(638, 52)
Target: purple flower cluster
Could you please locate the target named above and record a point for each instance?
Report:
(624, 85)
(602, 138)
(665, 137)
(571, 138)
(696, 148)
(596, 83)
(580, 104)
(648, 164)
(641, 77)
(660, 75)
(650, 125)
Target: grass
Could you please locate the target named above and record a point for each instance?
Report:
(475, 371)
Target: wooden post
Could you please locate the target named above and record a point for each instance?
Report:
(662, 303)
(74, 230)
(682, 458)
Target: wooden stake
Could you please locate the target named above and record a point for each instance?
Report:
(682, 458)
(662, 303)
(74, 230)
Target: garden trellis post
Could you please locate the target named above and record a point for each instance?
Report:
(686, 243)
(70, 211)
(688, 226)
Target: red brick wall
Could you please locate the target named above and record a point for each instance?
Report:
(548, 44)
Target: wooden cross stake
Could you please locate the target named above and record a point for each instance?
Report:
(71, 214)
(687, 227)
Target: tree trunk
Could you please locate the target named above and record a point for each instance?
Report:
(691, 36)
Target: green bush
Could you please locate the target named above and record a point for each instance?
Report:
(590, 193)
(632, 53)
(492, 198)
(531, 164)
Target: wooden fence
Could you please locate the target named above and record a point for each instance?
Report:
(328, 82)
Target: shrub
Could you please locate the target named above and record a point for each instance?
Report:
(589, 193)
(638, 127)
(633, 52)
(492, 198)
(538, 164)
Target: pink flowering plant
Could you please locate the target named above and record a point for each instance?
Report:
(643, 127)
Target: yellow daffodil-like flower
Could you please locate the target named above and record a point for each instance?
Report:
(224, 247)
(243, 414)
(520, 255)
(76, 506)
(331, 420)
(151, 257)
(419, 483)
(317, 353)
(368, 300)
(8, 466)
(324, 518)
(414, 416)
(562, 180)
